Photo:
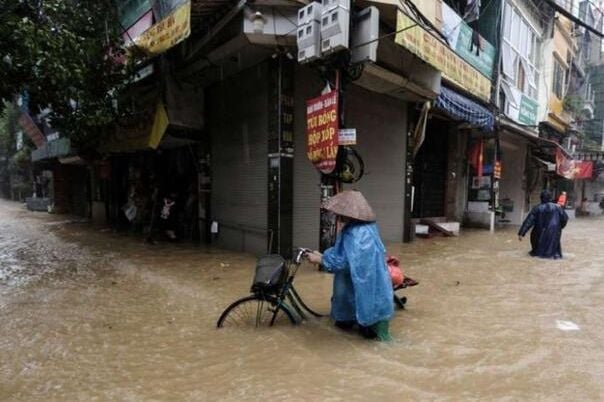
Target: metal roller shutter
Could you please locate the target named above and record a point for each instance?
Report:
(238, 125)
(381, 123)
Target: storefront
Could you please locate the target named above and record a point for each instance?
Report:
(449, 185)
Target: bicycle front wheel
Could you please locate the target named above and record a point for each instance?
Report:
(256, 311)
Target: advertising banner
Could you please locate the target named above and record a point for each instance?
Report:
(32, 131)
(322, 131)
(136, 30)
(168, 32)
(130, 11)
(573, 169)
(436, 53)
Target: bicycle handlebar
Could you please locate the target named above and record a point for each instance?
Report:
(300, 254)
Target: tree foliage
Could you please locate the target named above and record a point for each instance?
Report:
(14, 163)
(62, 53)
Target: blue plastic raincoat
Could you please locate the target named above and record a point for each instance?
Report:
(547, 221)
(362, 288)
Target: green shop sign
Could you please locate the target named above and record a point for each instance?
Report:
(480, 54)
(528, 111)
(53, 149)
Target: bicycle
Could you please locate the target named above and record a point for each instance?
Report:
(274, 298)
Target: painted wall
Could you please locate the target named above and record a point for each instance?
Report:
(594, 192)
(562, 49)
(512, 186)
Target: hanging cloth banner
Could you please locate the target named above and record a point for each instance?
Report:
(167, 33)
(420, 130)
(573, 169)
(322, 131)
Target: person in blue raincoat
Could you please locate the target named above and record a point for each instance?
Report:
(547, 221)
(362, 288)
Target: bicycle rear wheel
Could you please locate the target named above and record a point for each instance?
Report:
(256, 311)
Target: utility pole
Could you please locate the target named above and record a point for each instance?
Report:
(334, 37)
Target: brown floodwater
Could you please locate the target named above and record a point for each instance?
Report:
(87, 314)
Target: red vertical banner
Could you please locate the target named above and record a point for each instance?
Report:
(322, 131)
(480, 157)
(476, 156)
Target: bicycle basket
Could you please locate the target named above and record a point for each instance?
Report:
(271, 273)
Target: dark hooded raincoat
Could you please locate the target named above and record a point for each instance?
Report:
(547, 221)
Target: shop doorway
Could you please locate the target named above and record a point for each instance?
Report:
(430, 171)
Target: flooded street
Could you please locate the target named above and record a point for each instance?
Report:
(92, 315)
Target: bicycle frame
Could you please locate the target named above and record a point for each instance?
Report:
(288, 292)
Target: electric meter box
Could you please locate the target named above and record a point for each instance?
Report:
(309, 42)
(330, 5)
(335, 24)
(309, 13)
(308, 35)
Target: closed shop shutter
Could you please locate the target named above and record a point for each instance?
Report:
(381, 124)
(238, 127)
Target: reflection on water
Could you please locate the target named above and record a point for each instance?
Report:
(87, 314)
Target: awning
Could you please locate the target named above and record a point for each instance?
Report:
(144, 132)
(462, 108)
(531, 136)
(549, 166)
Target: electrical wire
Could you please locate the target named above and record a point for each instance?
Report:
(384, 36)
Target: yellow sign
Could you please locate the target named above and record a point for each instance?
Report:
(168, 32)
(424, 45)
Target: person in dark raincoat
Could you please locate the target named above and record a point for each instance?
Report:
(547, 221)
(362, 288)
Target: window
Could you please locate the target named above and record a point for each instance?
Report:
(521, 52)
(559, 74)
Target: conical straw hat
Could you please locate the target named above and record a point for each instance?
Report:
(352, 204)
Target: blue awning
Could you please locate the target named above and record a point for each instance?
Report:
(462, 108)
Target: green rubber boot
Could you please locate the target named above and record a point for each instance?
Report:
(381, 329)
